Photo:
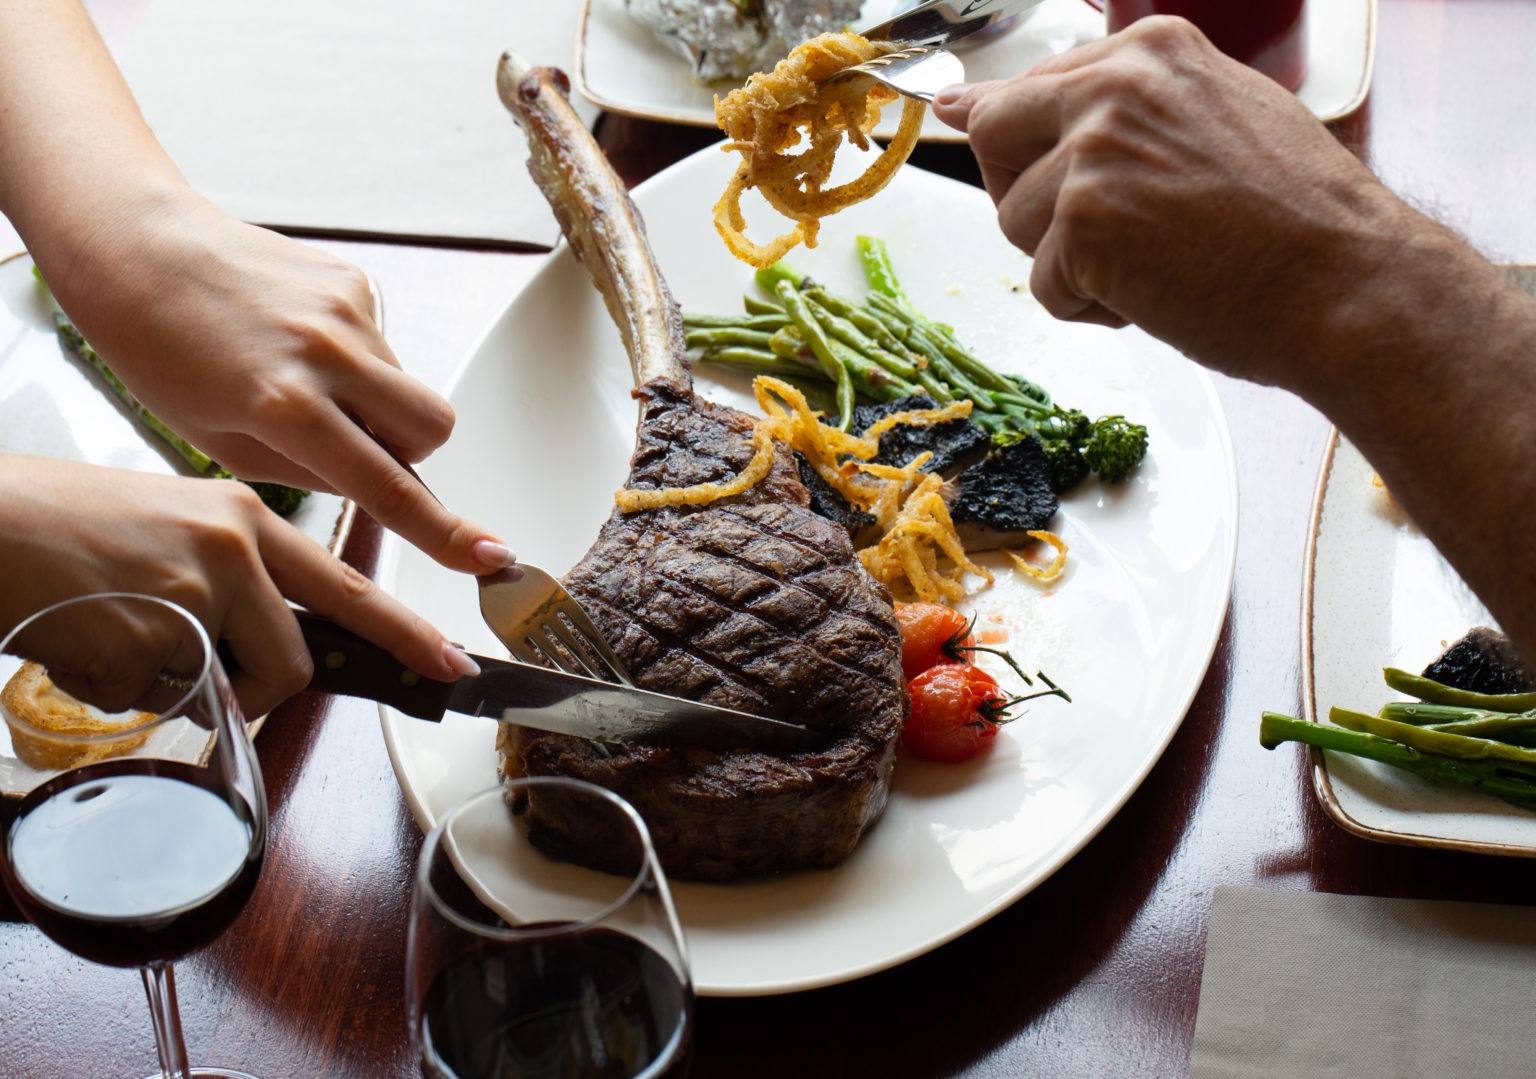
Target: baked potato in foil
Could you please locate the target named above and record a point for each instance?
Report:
(731, 39)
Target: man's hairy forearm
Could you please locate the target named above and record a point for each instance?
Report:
(1426, 360)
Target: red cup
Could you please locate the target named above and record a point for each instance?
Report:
(1269, 35)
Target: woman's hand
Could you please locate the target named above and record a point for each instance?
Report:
(261, 351)
(264, 353)
(71, 529)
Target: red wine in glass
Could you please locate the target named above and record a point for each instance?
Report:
(596, 1003)
(522, 965)
(131, 862)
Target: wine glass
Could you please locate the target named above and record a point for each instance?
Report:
(144, 820)
(523, 965)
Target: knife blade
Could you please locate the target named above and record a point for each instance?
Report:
(541, 698)
(944, 22)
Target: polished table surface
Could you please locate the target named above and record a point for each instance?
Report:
(1094, 973)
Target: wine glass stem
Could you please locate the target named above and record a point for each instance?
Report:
(160, 985)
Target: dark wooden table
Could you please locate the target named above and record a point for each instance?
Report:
(1096, 972)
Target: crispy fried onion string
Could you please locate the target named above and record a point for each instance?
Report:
(1047, 574)
(795, 104)
(917, 534)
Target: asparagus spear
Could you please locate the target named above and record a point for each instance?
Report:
(1514, 783)
(1427, 689)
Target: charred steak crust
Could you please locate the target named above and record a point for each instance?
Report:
(753, 602)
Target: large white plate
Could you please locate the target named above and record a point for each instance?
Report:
(1379, 594)
(621, 67)
(545, 429)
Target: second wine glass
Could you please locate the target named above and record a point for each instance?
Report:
(144, 820)
(524, 965)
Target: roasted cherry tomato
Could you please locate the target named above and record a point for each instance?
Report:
(956, 711)
(931, 633)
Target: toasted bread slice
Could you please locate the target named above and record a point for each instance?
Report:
(31, 696)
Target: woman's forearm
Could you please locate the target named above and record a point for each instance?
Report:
(79, 160)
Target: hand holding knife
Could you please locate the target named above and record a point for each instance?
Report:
(541, 698)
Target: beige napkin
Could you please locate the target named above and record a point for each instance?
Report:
(372, 117)
(1312, 984)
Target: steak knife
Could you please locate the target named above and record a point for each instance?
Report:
(541, 698)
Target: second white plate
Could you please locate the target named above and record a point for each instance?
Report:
(621, 67)
(1378, 595)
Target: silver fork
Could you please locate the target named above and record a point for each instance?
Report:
(918, 71)
(540, 623)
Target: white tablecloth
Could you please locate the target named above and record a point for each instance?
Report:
(370, 117)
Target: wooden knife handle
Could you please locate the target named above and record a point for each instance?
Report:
(353, 667)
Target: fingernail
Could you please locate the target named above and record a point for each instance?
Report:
(458, 660)
(493, 554)
(951, 94)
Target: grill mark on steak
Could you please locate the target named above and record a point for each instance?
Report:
(714, 603)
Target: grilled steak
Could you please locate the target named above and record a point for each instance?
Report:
(753, 602)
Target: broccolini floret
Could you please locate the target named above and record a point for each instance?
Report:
(1114, 447)
(1065, 424)
(281, 500)
(1067, 464)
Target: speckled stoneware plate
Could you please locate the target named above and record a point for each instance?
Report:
(1129, 631)
(621, 67)
(1378, 594)
(52, 405)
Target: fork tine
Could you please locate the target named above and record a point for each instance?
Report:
(589, 650)
(918, 71)
(540, 623)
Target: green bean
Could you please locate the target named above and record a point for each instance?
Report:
(935, 387)
(920, 341)
(758, 362)
(741, 322)
(756, 305)
(1495, 778)
(1429, 740)
(816, 338)
(916, 341)
(789, 344)
(869, 377)
(849, 334)
(1024, 405)
(726, 335)
(1505, 728)
(962, 370)
(1427, 689)
(860, 317)
(1452, 719)
(1428, 715)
